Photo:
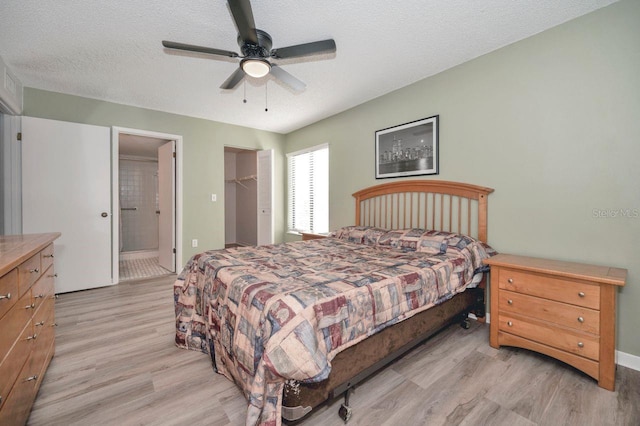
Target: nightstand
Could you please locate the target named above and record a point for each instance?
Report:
(562, 309)
(306, 236)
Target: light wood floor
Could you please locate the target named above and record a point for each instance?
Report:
(116, 364)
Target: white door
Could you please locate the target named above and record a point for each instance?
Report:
(66, 187)
(166, 203)
(265, 197)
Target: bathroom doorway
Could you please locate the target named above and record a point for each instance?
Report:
(146, 198)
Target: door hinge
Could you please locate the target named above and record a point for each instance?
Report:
(19, 136)
(174, 251)
(174, 155)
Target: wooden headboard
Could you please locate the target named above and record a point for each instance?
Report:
(430, 204)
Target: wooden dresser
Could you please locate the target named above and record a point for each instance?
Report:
(561, 309)
(26, 321)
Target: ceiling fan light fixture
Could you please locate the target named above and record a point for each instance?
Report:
(257, 68)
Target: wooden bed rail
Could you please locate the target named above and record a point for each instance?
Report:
(431, 204)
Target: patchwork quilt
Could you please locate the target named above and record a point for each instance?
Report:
(278, 312)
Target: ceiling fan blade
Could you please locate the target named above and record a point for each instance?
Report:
(287, 78)
(324, 46)
(233, 79)
(242, 14)
(199, 49)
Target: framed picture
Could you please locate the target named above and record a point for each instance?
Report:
(410, 149)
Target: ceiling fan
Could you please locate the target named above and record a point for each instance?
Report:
(255, 46)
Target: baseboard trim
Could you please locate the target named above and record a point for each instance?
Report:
(622, 358)
(627, 360)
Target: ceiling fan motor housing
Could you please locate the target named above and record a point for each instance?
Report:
(260, 50)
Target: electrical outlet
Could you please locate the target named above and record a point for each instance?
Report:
(214, 197)
(194, 243)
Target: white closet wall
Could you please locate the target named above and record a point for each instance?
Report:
(246, 199)
(230, 197)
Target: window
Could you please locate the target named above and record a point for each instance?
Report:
(309, 190)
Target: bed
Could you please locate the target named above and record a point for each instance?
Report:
(296, 324)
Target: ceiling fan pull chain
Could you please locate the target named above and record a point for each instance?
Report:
(266, 98)
(244, 84)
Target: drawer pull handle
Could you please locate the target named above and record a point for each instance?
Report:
(31, 306)
(580, 345)
(510, 302)
(31, 378)
(34, 337)
(39, 324)
(510, 280)
(48, 255)
(52, 276)
(580, 319)
(34, 270)
(581, 294)
(5, 296)
(509, 323)
(40, 296)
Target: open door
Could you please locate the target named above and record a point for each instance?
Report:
(66, 188)
(166, 203)
(265, 197)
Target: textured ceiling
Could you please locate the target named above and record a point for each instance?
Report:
(111, 50)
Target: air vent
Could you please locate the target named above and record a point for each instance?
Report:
(10, 91)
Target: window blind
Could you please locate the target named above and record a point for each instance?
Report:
(308, 190)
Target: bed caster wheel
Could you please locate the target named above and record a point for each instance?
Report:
(466, 324)
(345, 413)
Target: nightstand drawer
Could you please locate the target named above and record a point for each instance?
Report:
(578, 343)
(549, 287)
(576, 317)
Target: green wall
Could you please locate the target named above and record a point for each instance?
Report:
(203, 150)
(551, 122)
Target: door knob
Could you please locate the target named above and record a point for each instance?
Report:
(104, 214)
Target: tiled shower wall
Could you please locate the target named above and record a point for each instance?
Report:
(138, 188)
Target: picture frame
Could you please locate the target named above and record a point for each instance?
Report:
(409, 149)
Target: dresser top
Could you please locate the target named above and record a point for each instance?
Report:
(581, 271)
(15, 249)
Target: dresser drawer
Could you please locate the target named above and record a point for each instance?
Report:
(29, 271)
(576, 317)
(14, 361)
(46, 257)
(8, 291)
(549, 287)
(44, 325)
(14, 323)
(582, 344)
(43, 289)
(15, 411)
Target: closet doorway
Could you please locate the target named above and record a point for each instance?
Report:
(248, 197)
(146, 198)
(240, 197)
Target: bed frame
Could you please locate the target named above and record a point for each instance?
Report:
(432, 204)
